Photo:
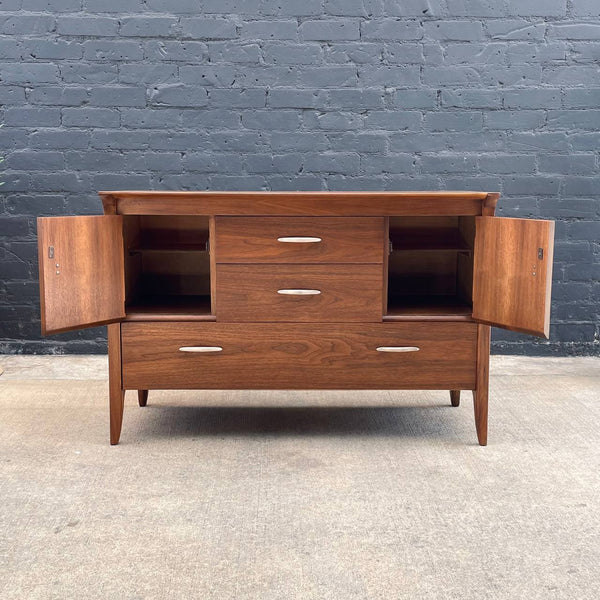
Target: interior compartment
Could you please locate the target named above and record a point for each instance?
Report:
(167, 265)
(430, 266)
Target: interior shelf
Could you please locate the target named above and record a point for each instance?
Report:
(419, 307)
(441, 241)
(159, 246)
(170, 307)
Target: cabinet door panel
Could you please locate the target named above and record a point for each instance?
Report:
(513, 273)
(81, 271)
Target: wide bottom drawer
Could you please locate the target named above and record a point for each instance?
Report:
(298, 356)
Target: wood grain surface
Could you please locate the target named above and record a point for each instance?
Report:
(250, 293)
(512, 274)
(299, 356)
(255, 240)
(83, 284)
(293, 203)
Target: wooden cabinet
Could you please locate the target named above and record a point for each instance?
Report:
(253, 290)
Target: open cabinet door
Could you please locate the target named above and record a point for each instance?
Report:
(81, 272)
(512, 273)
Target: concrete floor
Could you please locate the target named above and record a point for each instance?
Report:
(288, 495)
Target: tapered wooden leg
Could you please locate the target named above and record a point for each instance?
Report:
(142, 397)
(455, 397)
(480, 394)
(115, 386)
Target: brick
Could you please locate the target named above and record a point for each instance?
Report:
(507, 163)
(208, 28)
(337, 162)
(391, 29)
(46, 49)
(32, 117)
(12, 95)
(150, 118)
(27, 24)
(391, 163)
(581, 186)
(477, 8)
(325, 30)
(90, 117)
(393, 120)
(354, 52)
(573, 119)
(416, 8)
(29, 72)
(118, 96)
(389, 76)
(270, 30)
(88, 26)
(415, 99)
(471, 98)
(537, 8)
(333, 121)
(571, 75)
(453, 121)
(296, 98)
(450, 75)
(277, 53)
(238, 98)
(355, 98)
(279, 120)
(210, 162)
(332, 76)
(585, 8)
(88, 73)
(237, 52)
(170, 50)
(453, 30)
(292, 8)
(56, 138)
(147, 26)
(119, 6)
(112, 50)
(58, 96)
(532, 185)
(585, 230)
(208, 75)
(402, 53)
(532, 98)
(515, 29)
(473, 54)
(574, 31)
(147, 74)
(51, 5)
(178, 95)
(515, 119)
(582, 98)
(457, 163)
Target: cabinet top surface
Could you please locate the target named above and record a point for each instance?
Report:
(166, 194)
(359, 203)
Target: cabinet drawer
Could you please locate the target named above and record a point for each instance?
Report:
(300, 293)
(299, 239)
(298, 356)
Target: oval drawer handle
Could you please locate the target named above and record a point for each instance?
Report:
(299, 240)
(201, 349)
(299, 292)
(398, 349)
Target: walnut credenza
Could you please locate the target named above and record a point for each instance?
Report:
(273, 290)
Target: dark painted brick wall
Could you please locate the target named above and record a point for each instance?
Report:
(302, 94)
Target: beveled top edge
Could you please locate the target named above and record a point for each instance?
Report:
(162, 194)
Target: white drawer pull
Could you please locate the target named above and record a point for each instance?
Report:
(398, 349)
(299, 292)
(200, 349)
(299, 240)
